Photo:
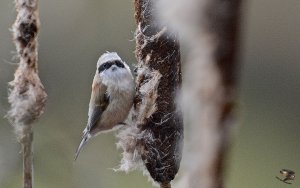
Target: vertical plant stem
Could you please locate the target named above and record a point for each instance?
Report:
(165, 185)
(209, 29)
(27, 95)
(28, 161)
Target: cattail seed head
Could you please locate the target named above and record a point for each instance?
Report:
(156, 121)
(27, 96)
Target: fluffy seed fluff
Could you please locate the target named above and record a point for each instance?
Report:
(130, 136)
(27, 96)
(152, 141)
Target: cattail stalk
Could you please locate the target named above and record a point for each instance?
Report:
(210, 30)
(156, 132)
(165, 185)
(27, 96)
(28, 161)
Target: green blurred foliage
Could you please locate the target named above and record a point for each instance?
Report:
(73, 35)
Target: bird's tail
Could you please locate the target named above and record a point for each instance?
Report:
(84, 140)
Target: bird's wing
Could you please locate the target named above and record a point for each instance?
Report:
(93, 120)
(289, 171)
(285, 181)
(95, 115)
(98, 103)
(292, 172)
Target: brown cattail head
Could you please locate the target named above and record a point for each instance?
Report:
(26, 95)
(209, 31)
(159, 123)
(156, 134)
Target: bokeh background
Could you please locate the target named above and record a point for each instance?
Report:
(73, 35)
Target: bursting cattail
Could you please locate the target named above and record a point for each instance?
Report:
(209, 29)
(155, 137)
(27, 96)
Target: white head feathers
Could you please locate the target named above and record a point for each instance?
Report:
(108, 56)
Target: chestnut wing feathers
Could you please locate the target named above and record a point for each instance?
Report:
(97, 111)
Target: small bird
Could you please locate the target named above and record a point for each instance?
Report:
(288, 174)
(111, 98)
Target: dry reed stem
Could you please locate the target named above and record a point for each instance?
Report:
(210, 30)
(27, 162)
(165, 185)
(27, 96)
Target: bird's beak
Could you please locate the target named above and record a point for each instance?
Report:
(114, 68)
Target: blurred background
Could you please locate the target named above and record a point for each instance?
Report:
(73, 35)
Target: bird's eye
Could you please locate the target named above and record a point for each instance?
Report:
(119, 64)
(107, 65)
(101, 68)
(104, 66)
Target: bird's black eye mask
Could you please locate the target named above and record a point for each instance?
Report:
(108, 64)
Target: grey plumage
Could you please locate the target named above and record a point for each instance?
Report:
(111, 98)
